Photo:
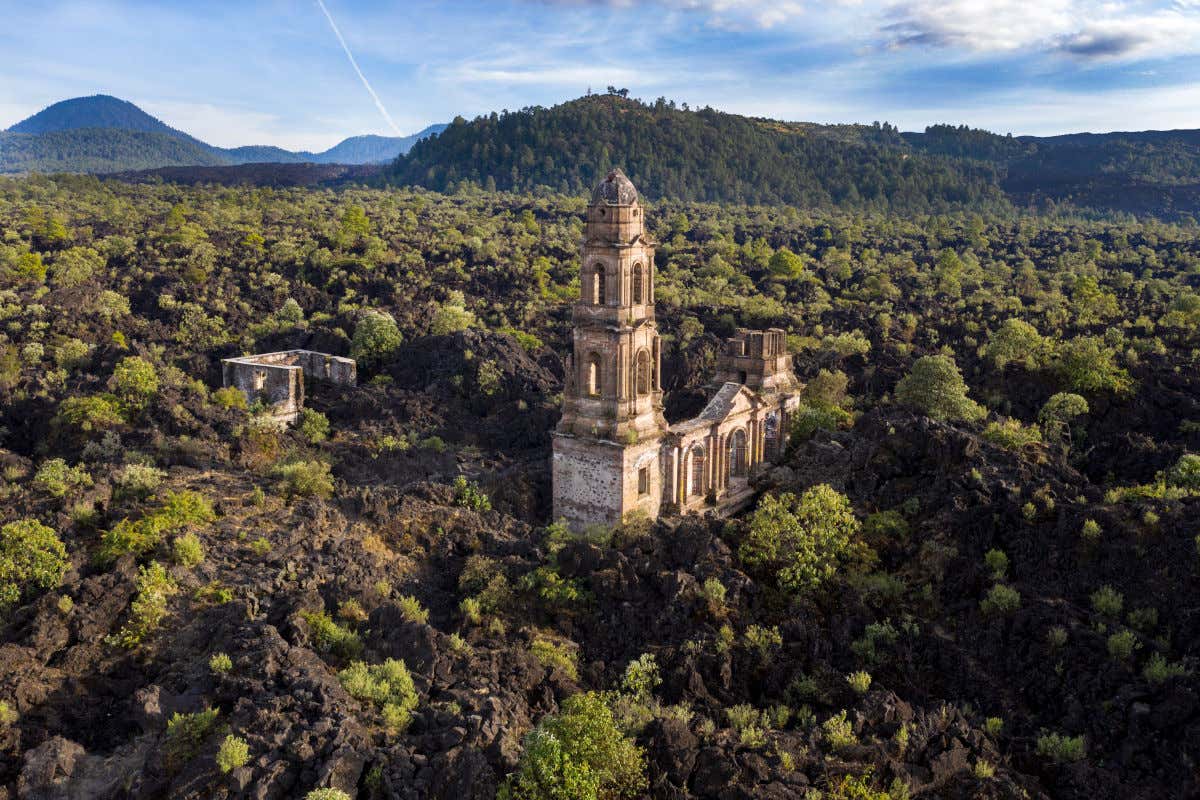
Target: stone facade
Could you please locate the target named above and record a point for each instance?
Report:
(613, 452)
(277, 379)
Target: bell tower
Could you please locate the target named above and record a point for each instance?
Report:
(606, 446)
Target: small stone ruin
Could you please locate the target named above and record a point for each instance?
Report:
(277, 379)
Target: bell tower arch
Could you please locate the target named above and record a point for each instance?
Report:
(612, 402)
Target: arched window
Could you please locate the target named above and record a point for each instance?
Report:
(639, 283)
(643, 372)
(696, 471)
(737, 454)
(598, 296)
(593, 375)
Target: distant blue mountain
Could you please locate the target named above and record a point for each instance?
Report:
(106, 134)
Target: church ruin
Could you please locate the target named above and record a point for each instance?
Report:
(277, 379)
(613, 451)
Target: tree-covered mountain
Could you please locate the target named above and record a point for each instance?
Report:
(371, 149)
(97, 111)
(100, 150)
(713, 156)
(106, 134)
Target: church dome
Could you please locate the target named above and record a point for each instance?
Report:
(615, 190)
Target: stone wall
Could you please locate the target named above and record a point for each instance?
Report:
(588, 475)
(277, 379)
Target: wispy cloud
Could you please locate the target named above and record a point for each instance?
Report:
(1082, 28)
(350, 57)
(265, 71)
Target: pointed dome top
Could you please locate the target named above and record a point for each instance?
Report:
(615, 190)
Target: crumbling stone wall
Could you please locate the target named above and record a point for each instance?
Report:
(277, 379)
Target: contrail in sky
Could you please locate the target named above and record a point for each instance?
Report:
(361, 77)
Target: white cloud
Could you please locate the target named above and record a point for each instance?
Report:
(985, 25)
(721, 13)
(1081, 28)
(1049, 112)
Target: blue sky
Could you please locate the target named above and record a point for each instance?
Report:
(273, 72)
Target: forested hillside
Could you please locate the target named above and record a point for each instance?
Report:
(100, 150)
(974, 573)
(102, 134)
(702, 155)
(708, 155)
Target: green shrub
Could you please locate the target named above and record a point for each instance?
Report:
(305, 479)
(1086, 365)
(468, 495)
(1059, 748)
(994, 726)
(807, 420)
(1185, 473)
(31, 556)
(1157, 670)
(186, 508)
(90, 414)
(327, 794)
(352, 611)
(884, 526)
(135, 381)
(1016, 341)
(641, 676)
(936, 388)
(313, 426)
(233, 753)
(997, 562)
(1122, 644)
(875, 636)
(1000, 600)
(1011, 434)
(389, 686)
(1091, 530)
(149, 607)
(230, 397)
(838, 733)
(187, 550)
(179, 510)
(220, 663)
(412, 610)
(137, 481)
(376, 339)
(555, 654)
(1143, 619)
(713, 592)
(452, 316)
(1108, 601)
(130, 537)
(71, 354)
(1056, 637)
(1056, 415)
(330, 637)
(56, 478)
(579, 754)
(186, 733)
(550, 587)
(8, 714)
(802, 540)
(471, 610)
(860, 681)
(763, 639)
(749, 724)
